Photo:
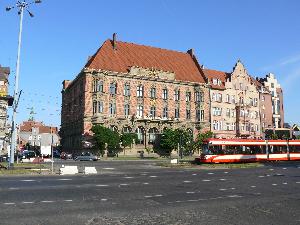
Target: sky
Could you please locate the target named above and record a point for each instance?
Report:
(56, 42)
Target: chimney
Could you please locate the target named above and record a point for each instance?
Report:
(191, 52)
(114, 41)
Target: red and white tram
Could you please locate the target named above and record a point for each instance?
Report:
(248, 150)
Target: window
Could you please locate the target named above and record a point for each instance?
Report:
(198, 96)
(100, 107)
(228, 112)
(153, 92)
(251, 102)
(127, 90)
(177, 113)
(255, 100)
(188, 114)
(165, 94)
(217, 111)
(199, 115)
(227, 99)
(272, 85)
(152, 111)
(100, 86)
(94, 107)
(217, 125)
(165, 112)
(233, 99)
(140, 91)
(113, 88)
(177, 95)
(263, 115)
(139, 111)
(263, 98)
(112, 108)
(126, 109)
(188, 96)
(217, 97)
(215, 81)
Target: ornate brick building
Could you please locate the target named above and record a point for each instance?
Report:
(134, 88)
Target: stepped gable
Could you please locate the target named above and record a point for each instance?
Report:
(120, 56)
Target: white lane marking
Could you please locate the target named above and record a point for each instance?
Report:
(158, 195)
(268, 175)
(285, 183)
(64, 179)
(223, 189)
(234, 196)
(124, 184)
(284, 168)
(233, 188)
(9, 203)
(206, 180)
(47, 201)
(193, 200)
(102, 185)
(257, 193)
(210, 173)
(68, 200)
(148, 196)
(225, 172)
(187, 181)
(271, 169)
(27, 180)
(27, 202)
(108, 168)
(216, 198)
(14, 188)
(190, 192)
(143, 174)
(261, 176)
(297, 182)
(222, 179)
(103, 199)
(274, 184)
(194, 174)
(128, 177)
(253, 186)
(152, 176)
(146, 183)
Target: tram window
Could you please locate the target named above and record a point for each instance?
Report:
(294, 148)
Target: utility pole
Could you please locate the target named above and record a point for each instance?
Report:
(21, 6)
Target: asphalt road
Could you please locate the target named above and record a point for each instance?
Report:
(140, 193)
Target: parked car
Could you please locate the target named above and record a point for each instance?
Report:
(66, 156)
(86, 156)
(26, 154)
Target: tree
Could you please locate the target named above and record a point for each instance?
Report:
(127, 139)
(103, 136)
(201, 137)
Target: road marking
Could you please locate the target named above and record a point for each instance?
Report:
(284, 168)
(47, 201)
(216, 198)
(148, 196)
(102, 185)
(234, 196)
(27, 202)
(124, 184)
(225, 172)
(108, 168)
(152, 176)
(9, 203)
(206, 180)
(193, 200)
(253, 186)
(187, 181)
(271, 169)
(297, 182)
(146, 183)
(222, 179)
(233, 188)
(65, 179)
(285, 183)
(14, 188)
(27, 180)
(68, 200)
(158, 195)
(268, 175)
(210, 173)
(190, 192)
(143, 174)
(194, 174)
(222, 189)
(261, 176)
(128, 177)
(274, 184)
(103, 199)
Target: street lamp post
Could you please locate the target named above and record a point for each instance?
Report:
(21, 7)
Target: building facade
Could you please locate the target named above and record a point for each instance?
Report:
(136, 89)
(5, 101)
(37, 134)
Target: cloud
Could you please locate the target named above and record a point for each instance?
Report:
(288, 61)
(291, 79)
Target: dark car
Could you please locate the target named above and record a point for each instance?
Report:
(66, 156)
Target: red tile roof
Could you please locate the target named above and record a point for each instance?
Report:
(27, 126)
(215, 74)
(126, 55)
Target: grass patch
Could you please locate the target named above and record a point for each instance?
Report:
(21, 168)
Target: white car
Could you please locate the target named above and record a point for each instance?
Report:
(87, 156)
